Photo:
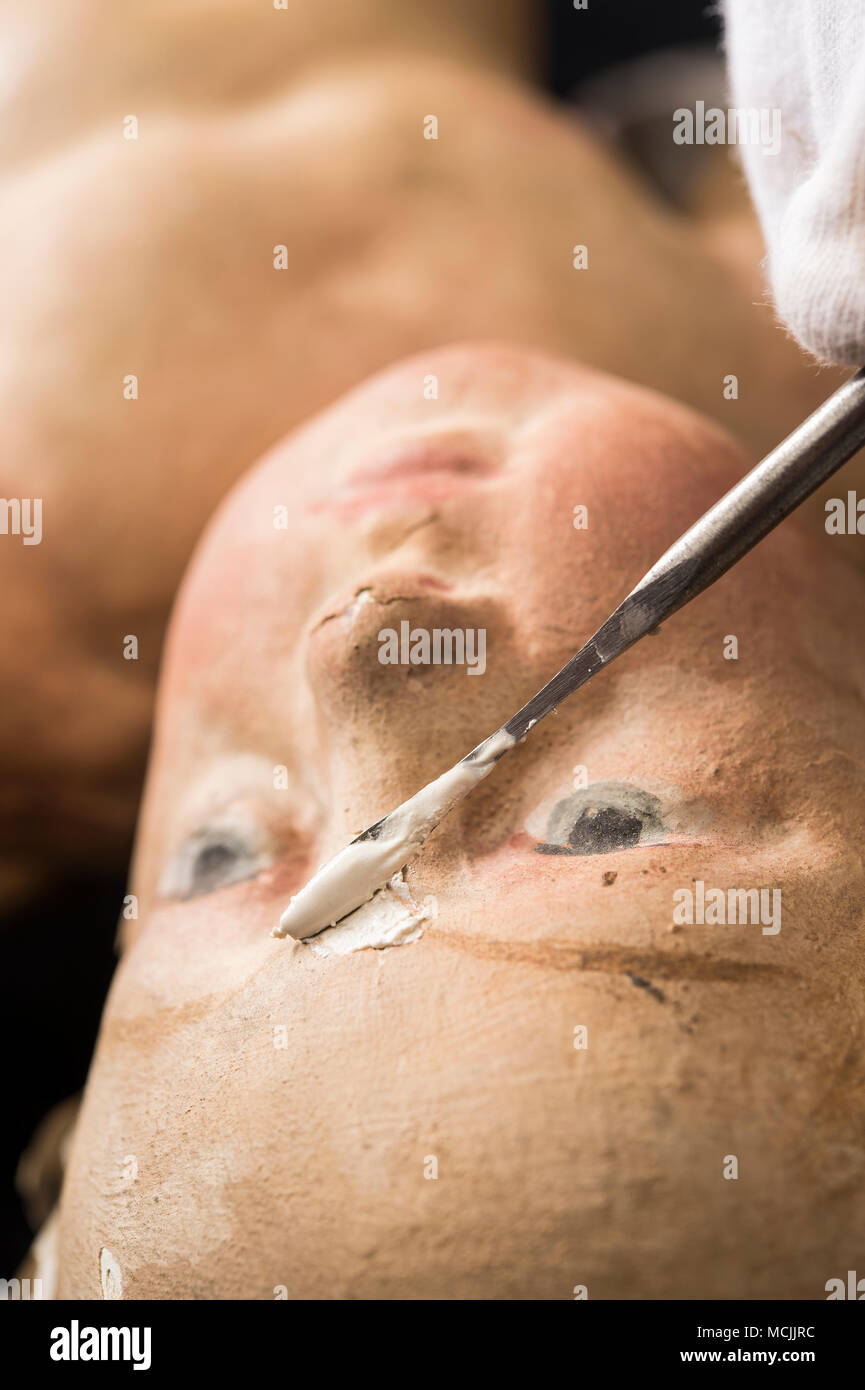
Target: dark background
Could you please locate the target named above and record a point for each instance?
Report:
(59, 954)
(582, 43)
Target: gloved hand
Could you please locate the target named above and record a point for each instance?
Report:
(806, 58)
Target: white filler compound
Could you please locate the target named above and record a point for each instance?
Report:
(390, 918)
(353, 875)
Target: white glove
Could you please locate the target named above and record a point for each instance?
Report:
(807, 59)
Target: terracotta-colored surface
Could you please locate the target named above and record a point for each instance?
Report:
(155, 257)
(259, 1166)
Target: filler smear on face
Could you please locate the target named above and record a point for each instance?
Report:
(390, 918)
(353, 875)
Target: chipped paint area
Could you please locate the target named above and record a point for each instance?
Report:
(110, 1276)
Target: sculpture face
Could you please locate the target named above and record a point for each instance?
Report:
(545, 1088)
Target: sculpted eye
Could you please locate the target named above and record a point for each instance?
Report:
(600, 818)
(208, 860)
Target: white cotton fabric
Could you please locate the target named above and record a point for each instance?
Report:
(807, 58)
